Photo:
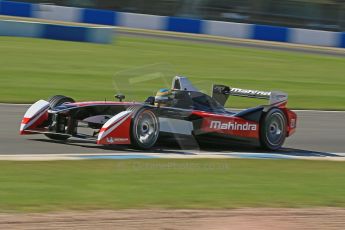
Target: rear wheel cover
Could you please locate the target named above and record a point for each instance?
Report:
(145, 129)
(273, 129)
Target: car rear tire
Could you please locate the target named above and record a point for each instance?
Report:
(55, 101)
(273, 129)
(144, 129)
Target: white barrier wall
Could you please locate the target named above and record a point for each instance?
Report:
(313, 37)
(100, 35)
(142, 21)
(103, 35)
(19, 29)
(227, 29)
(57, 13)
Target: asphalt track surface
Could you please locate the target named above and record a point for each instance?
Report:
(319, 134)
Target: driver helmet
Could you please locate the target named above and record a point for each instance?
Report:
(163, 97)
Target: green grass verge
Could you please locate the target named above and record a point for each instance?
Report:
(35, 68)
(203, 183)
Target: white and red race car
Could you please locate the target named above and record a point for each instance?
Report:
(189, 113)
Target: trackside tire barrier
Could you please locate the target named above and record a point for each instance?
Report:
(167, 23)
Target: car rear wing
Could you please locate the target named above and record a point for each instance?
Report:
(222, 92)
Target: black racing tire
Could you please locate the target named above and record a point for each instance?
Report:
(55, 101)
(144, 129)
(273, 131)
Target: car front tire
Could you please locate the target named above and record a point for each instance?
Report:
(55, 101)
(144, 129)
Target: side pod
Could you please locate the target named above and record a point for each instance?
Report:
(34, 117)
(116, 131)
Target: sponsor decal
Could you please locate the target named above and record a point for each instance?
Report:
(293, 123)
(233, 126)
(222, 89)
(112, 140)
(250, 92)
(280, 97)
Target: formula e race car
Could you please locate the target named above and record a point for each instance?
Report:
(185, 112)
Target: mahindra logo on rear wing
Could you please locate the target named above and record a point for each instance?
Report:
(232, 126)
(250, 93)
